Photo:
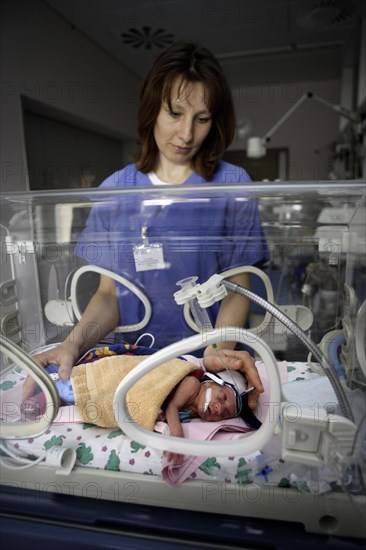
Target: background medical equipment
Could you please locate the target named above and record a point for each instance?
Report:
(30, 248)
(256, 146)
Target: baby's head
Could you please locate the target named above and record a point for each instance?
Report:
(216, 402)
(223, 396)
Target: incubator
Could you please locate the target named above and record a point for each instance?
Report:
(306, 329)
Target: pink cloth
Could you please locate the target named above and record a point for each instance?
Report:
(175, 474)
(230, 429)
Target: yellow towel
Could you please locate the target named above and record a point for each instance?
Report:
(95, 384)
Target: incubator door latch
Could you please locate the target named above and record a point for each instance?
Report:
(314, 437)
(19, 249)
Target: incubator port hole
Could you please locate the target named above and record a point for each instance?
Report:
(328, 523)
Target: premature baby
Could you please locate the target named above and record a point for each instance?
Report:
(201, 394)
(211, 397)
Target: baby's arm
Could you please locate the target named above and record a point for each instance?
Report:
(184, 392)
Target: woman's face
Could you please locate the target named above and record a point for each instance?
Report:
(180, 132)
(222, 403)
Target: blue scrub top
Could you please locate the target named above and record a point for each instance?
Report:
(200, 237)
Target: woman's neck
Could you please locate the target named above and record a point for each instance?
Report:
(173, 174)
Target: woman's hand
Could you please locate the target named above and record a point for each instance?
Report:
(236, 360)
(64, 355)
(100, 317)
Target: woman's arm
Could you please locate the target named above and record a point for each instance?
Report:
(234, 309)
(99, 318)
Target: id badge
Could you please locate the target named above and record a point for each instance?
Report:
(148, 256)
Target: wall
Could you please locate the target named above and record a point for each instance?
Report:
(309, 133)
(44, 59)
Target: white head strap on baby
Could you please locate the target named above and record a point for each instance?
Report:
(214, 378)
(234, 377)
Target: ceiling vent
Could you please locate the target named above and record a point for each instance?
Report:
(329, 14)
(146, 38)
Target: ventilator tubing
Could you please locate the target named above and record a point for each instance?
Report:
(295, 329)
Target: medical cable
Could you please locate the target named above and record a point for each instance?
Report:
(351, 477)
(60, 459)
(330, 345)
(352, 501)
(27, 463)
(142, 336)
(333, 347)
(295, 329)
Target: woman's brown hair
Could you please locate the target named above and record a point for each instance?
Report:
(189, 63)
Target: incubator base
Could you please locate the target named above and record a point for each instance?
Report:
(329, 515)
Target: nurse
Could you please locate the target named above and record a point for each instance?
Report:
(186, 121)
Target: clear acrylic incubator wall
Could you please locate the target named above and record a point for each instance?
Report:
(306, 259)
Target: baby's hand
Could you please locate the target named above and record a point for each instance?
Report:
(175, 459)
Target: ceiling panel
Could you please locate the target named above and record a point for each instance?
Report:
(255, 40)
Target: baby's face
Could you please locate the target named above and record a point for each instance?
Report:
(222, 403)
